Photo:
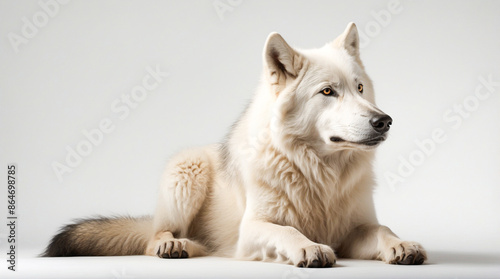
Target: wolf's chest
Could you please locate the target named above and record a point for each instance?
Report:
(306, 196)
(321, 218)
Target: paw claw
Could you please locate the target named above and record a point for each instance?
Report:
(315, 256)
(419, 260)
(315, 264)
(409, 259)
(172, 249)
(184, 254)
(406, 253)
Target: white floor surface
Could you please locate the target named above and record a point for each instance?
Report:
(440, 265)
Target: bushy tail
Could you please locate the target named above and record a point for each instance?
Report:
(101, 236)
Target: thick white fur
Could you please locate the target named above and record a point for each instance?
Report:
(279, 189)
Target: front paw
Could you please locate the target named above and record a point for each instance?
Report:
(406, 253)
(173, 248)
(316, 255)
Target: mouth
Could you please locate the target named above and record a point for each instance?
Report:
(368, 142)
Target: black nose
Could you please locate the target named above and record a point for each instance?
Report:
(381, 123)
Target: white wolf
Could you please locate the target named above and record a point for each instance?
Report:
(303, 192)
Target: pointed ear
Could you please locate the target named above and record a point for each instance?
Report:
(281, 60)
(349, 40)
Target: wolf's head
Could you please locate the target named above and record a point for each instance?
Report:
(323, 97)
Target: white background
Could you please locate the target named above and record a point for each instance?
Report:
(424, 60)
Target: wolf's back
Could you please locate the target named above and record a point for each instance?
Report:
(102, 236)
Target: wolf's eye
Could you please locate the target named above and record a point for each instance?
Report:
(327, 91)
(360, 88)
